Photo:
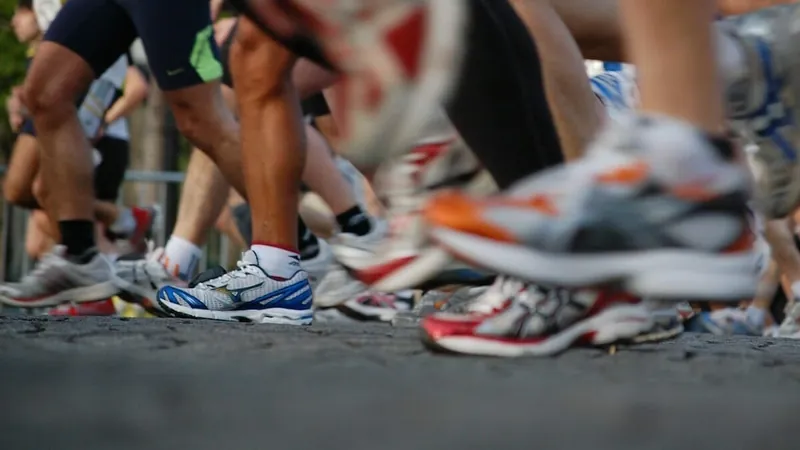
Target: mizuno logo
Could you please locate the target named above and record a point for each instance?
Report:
(236, 294)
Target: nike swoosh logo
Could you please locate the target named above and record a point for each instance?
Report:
(174, 72)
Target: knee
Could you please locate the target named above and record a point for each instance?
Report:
(259, 65)
(45, 102)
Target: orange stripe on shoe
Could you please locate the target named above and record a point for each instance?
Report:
(459, 212)
(630, 174)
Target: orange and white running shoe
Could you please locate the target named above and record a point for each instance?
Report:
(400, 60)
(654, 208)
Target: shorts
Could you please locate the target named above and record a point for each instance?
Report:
(301, 46)
(314, 106)
(177, 36)
(27, 127)
(110, 173)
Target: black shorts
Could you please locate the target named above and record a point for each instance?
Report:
(110, 173)
(177, 36)
(314, 106)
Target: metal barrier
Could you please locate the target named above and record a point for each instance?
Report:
(14, 261)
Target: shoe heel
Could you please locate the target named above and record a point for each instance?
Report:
(621, 323)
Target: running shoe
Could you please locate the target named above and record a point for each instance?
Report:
(653, 209)
(514, 319)
(617, 91)
(336, 284)
(790, 326)
(377, 306)
(139, 279)
(401, 59)
(245, 294)
(56, 280)
(725, 322)
(764, 106)
(406, 258)
(98, 308)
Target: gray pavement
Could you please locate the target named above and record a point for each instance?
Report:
(105, 383)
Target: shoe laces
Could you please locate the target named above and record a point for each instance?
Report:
(496, 296)
(243, 269)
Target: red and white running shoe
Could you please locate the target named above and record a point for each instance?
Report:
(98, 308)
(405, 258)
(400, 60)
(514, 318)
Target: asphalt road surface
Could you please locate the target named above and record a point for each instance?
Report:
(114, 384)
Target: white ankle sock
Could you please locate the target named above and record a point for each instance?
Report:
(181, 257)
(277, 261)
(756, 316)
(125, 223)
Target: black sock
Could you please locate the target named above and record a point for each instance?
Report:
(354, 221)
(78, 237)
(308, 245)
(723, 145)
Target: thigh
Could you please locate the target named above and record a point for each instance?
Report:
(178, 38)
(499, 106)
(99, 31)
(110, 173)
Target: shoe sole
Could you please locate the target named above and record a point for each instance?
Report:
(663, 274)
(615, 325)
(97, 292)
(416, 273)
(267, 316)
(379, 133)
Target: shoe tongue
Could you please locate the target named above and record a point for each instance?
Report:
(250, 257)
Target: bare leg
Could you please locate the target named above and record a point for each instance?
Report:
(272, 134)
(572, 103)
(202, 199)
(679, 79)
(22, 169)
(323, 177)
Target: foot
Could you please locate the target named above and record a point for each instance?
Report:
(725, 322)
(139, 279)
(405, 258)
(377, 306)
(764, 107)
(653, 208)
(247, 294)
(98, 308)
(513, 318)
(57, 279)
(405, 54)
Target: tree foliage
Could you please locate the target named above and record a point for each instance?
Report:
(12, 67)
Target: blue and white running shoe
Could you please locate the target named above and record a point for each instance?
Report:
(246, 294)
(763, 103)
(616, 90)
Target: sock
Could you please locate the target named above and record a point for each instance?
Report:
(125, 223)
(308, 243)
(78, 237)
(796, 290)
(756, 316)
(276, 261)
(354, 221)
(181, 257)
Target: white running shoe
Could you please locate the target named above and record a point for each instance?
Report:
(246, 294)
(406, 258)
(400, 60)
(56, 280)
(140, 279)
(652, 208)
(764, 107)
